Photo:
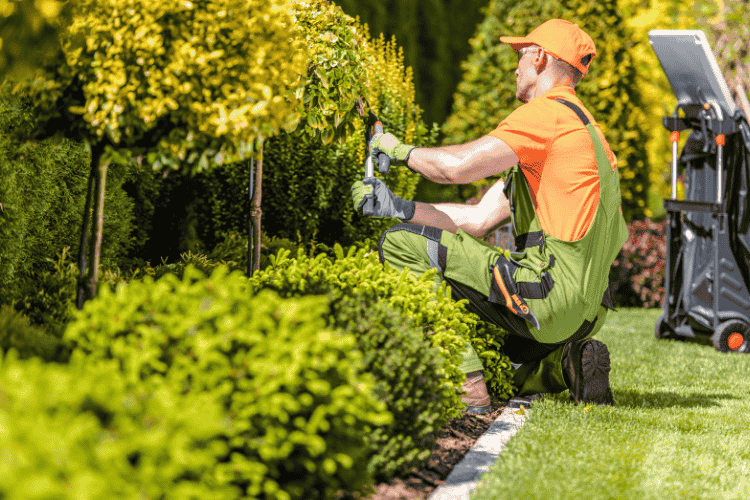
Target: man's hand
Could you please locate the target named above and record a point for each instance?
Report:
(388, 144)
(386, 203)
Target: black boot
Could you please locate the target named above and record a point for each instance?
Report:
(586, 368)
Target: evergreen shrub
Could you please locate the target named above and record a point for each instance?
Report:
(410, 377)
(42, 193)
(81, 431)
(638, 272)
(487, 92)
(297, 401)
(445, 322)
(16, 332)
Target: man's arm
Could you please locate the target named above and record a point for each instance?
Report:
(463, 163)
(492, 211)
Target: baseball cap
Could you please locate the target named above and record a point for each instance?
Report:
(562, 39)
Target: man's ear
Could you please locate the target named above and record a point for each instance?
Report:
(541, 61)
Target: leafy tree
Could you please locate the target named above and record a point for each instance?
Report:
(485, 96)
(191, 85)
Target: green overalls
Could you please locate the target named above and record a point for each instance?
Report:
(564, 284)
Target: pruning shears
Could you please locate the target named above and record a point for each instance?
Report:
(373, 126)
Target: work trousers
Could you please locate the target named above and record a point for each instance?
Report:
(462, 262)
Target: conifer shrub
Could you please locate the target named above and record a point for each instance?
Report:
(16, 332)
(297, 401)
(42, 194)
(81, 431)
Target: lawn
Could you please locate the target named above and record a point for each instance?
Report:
(680, 428)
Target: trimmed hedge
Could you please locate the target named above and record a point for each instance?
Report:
(445, 322)
(297, 402)
(80, 431)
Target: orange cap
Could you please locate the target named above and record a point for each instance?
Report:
(562, 39)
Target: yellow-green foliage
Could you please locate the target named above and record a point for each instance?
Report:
(307, 184)
(297, 403)
(81, 431)
(487, 93)
(29, 32)
(444, 321)
(336, 74)
(194, 82)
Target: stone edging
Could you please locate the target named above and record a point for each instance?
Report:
(465, 475)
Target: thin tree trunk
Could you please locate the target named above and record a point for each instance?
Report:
(256, 212)
(96, 240)
(85, 228)
(250, 238)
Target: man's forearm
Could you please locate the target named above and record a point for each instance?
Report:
(435, 163)
(448, 216)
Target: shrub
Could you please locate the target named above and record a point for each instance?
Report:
(16, 332)
(80, 431)
(609, 91)
(42, 192)
(638, 272)
(297, 400)
(445, 322)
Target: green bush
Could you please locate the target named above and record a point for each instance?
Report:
(298, 402)
(485, 97)
(16, 332)
(445, 322)
(80, 431)
(42, 193)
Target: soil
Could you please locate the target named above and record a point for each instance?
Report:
(456, 439)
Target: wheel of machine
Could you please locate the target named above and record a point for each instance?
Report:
(661, 330)
(732, 336)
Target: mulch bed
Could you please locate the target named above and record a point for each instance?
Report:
(456, 439)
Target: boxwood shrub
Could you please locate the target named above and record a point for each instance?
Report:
(443, 321)
(80, 431)
(297, 400)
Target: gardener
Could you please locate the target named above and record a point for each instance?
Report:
(563, 197)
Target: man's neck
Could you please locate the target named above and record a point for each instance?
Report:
(545, 83)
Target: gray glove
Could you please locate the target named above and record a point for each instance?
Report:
(386, 204)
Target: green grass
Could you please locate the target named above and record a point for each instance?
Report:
(680, 428)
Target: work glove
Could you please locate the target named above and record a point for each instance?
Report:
(386, 203)
(388, 144)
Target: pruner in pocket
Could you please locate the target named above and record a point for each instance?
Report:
(504, 278)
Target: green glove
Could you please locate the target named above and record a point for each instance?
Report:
(386, 203)
(388, 144)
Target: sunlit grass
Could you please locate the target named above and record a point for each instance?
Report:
(680, 427)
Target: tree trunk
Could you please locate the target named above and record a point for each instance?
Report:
(92, 276)
(85, 228)
(250, 238)
(256, 212)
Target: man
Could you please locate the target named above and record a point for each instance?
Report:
(563, 197)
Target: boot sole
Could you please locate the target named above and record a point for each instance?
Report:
(595, 368)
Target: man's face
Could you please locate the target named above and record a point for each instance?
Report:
(526, 74)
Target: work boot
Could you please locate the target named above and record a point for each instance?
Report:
(586, 371)
(476, 397)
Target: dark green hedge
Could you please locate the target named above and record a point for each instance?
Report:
(42, 192)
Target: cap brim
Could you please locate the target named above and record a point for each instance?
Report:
(516, 42)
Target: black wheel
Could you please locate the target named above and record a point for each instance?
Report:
(732, 336)
(661, 329)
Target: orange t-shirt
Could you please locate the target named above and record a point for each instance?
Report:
(556, 155)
